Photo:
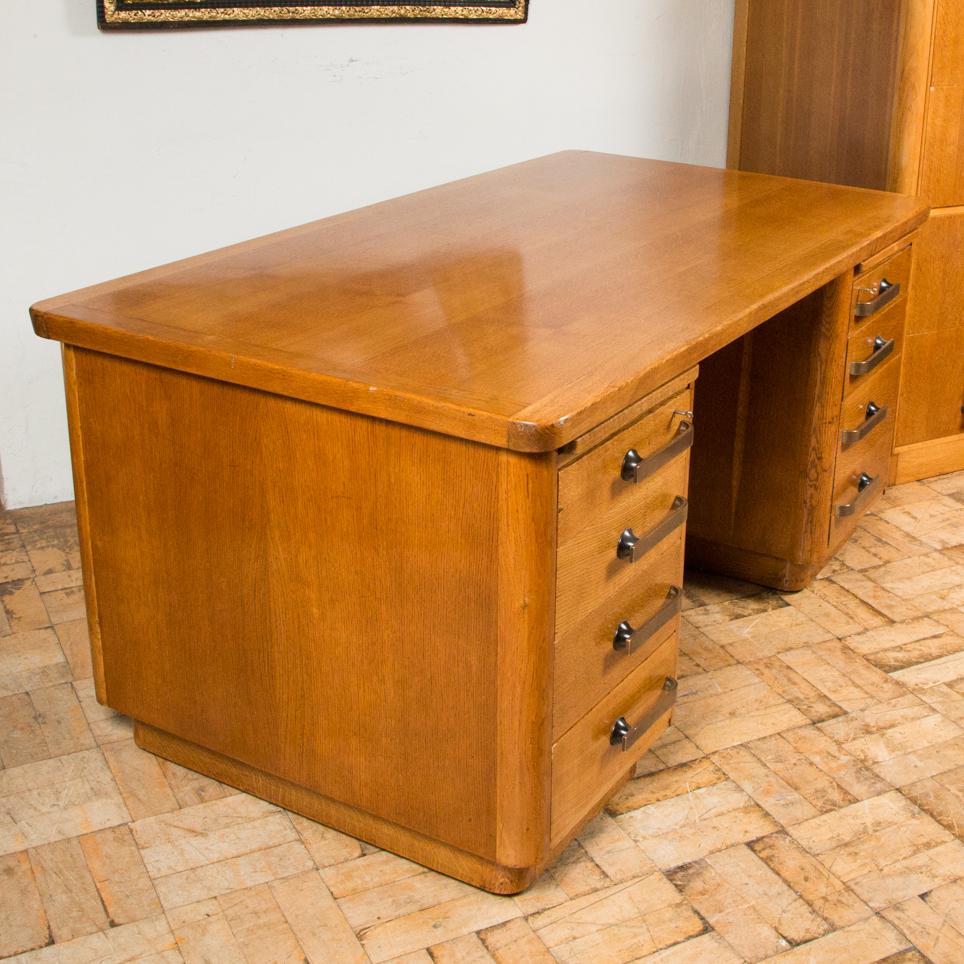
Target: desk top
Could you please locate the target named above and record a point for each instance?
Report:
(517, 308)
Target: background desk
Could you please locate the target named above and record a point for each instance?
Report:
(362, 532)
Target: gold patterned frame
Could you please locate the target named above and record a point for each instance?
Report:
(126, 14)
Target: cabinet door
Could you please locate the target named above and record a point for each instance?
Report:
(942, 165)
(932, 384)
(934, 379)
(818, 88)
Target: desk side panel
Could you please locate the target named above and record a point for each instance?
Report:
(320, 596)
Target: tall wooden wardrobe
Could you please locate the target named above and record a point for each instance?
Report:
(871, 93)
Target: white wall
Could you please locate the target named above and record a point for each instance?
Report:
(124, 150)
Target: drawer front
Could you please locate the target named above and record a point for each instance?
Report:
(614, 475)
(868, 412)
(590, 759)
(608, 642)
(879, 287)
(873, 345)
(858, 481)
(607, 554)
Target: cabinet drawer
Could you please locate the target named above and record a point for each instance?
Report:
(858, 482)
(868, 412)
(589, 760)
(880, 287)
(594, 564)
(608, 642)
(873, 345)
(615, 473)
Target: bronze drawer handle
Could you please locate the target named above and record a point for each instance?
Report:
(636, 468)
(875, 415)
(887, 293)
(632, 547)
(867, 487)
(882, 348)
(627, 639)
(625, 735)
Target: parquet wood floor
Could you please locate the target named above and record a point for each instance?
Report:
(806, 806)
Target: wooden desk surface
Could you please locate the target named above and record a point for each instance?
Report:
(517, 308)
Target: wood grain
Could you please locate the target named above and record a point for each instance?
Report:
(923, 460)
(585, 767)
(910, 95)
(75, 427)
(888, 325)
(578, 447)
(934, 364)
(268, 580)
(593, 486)
(586, 666)
(895, 270)
(349, 533)
(767, 416)
(471, 308)
(734, 133)
(881, 388)
(588, 568)
(938, 301)
(933, 374)
(873, 460)
(942, 170)
(942, 166)
(817, 101)
(797, 51)
(432, 853)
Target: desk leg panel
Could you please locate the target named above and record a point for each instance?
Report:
(332, 602)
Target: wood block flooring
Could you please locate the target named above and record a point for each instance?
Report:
(806, 806)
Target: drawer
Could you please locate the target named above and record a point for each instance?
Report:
(873, 345)
(607, 554)
(879, 287)
(590, 759)
(868, 413)
(607, 643)
(609, 477)
(857, 483)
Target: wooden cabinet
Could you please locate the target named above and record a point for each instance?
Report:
(871, 93)
(383, 518)
(934, 355)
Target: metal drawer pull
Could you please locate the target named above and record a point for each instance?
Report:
(636, 468)
(627, 639)
(886, 293)
(867, 486)
(882, 348)
(625, 735)
(632, 547)
(875, 415)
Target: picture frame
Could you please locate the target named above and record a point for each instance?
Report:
(147, 14)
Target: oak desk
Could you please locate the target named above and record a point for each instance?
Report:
(382, 517)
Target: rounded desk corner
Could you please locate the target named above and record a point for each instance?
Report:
(38, 318)
(537, 437)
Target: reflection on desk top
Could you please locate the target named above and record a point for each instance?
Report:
(517, 308)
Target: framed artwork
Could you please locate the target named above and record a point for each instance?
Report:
(128, 14)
